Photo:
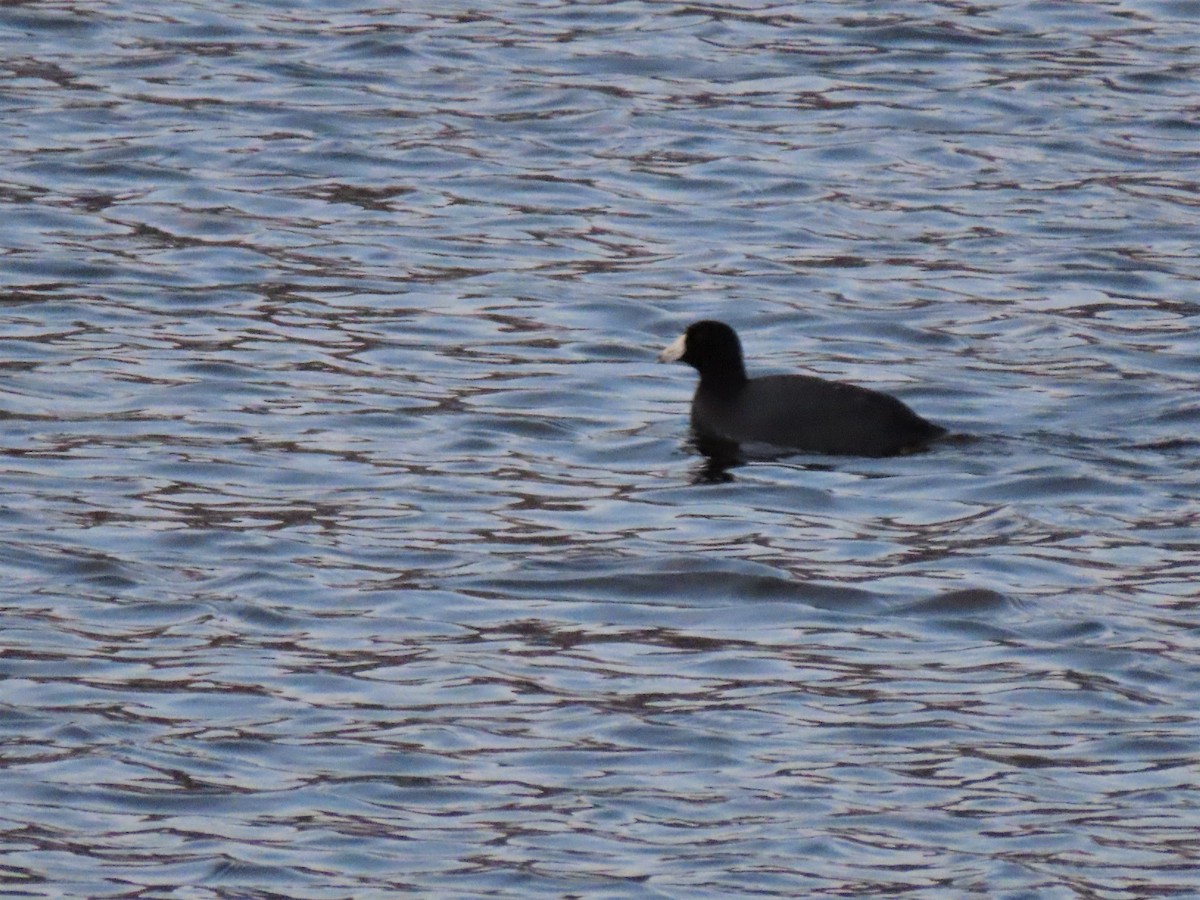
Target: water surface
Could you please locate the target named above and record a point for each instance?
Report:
(352, 542)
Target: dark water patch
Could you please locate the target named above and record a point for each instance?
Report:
(964, 602)
(686, 585)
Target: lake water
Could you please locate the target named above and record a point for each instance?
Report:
(351, 540)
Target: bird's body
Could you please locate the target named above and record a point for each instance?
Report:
(799, 412)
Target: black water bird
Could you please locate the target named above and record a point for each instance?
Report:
(798, 412)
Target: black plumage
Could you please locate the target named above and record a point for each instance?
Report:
(800, 412)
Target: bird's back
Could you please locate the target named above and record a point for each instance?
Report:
(804, 412)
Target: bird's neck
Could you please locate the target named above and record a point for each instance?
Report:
(723, 381)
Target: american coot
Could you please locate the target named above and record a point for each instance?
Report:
(801, 412)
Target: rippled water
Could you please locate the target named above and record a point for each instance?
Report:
(352, 542)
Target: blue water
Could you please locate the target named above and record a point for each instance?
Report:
(352, 542)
